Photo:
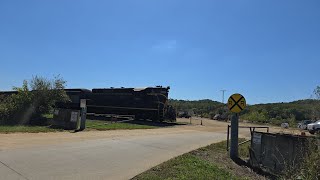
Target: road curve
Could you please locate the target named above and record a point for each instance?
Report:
(114, 157)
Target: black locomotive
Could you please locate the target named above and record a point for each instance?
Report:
(150, 103)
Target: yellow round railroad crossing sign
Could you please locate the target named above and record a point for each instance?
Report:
(236, 103)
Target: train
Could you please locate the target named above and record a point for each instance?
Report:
(148, 103)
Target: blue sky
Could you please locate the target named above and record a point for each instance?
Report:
(267, 50)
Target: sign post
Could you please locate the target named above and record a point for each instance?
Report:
(236, 103)
(83, 106)
(234, 136)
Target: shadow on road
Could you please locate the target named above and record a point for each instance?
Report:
(157, 124)
(131, 121)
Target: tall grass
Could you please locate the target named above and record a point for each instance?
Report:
(309, 169)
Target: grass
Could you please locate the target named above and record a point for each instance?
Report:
(27, 129)
(104, 125)
(90, 124)
(220, 147)
(310, 167)
(48, 116)
(186, 167)
(210, 162)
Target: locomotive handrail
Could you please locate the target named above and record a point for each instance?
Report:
(119, 107)
(155, 94)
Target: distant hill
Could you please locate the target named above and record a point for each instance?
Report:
(274, 113)
(200, 107)
(279, 112)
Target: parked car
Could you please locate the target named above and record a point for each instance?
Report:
(285, 125)
(303, 124)
(216, 117)
(314, 127)
(183, 114)
(221, 117)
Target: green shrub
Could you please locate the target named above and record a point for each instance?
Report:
(32, 101)
(255, 116)
(17, 109)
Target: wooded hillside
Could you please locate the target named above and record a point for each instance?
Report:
(274, 113)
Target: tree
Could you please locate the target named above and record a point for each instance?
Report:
(16, 109)
(34, 99)
(46, 93)
(316, 92)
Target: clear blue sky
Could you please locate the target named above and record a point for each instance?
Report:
(267, 50)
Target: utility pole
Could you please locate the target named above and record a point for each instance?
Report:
(223, 95)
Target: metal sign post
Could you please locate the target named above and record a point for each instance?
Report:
(236, 103)
(234, 136)
(83, 106)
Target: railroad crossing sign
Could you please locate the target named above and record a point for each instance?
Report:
(236, 103)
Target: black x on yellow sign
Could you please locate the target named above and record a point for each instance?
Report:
(236, 103)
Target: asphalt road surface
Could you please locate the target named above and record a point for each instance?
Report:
(99, 155)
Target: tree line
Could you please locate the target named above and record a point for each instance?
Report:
(273, 113)
(204, 108)
(277, 113)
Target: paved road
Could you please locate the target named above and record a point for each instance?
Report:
(103, 158)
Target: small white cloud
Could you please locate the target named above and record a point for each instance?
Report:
(165, 45)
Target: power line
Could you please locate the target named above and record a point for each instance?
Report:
(223, 95)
